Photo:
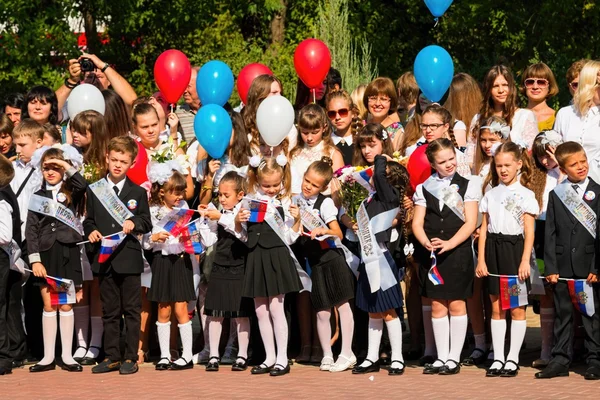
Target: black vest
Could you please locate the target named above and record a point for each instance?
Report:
(230, 251)
(8, 195)
(260, 233)
(444, 224)
(347, 151)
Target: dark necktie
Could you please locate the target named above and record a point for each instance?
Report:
(575, 188)
(116, 189)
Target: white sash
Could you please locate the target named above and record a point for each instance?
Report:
(512, 204)
(578, 208)
(312, 222)
(14, 253)
(377, 267)
(278, 225)
(110, 201)
(448, 195)
(54, 209)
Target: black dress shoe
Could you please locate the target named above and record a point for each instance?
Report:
(280, 371)
(17, 364)
(470, 361)
(430, 369)
(446, 370)
(79, 359)
(396, 371)
(509, 373)
(128, 367)
(163, 366)
(553, 370)
(5, 371)
(187, 365)
(106, 366)
(373, 367)
(213, 366)
(540, 364)
(42, 368)
(240, 366)
(493, 372)
(426, 360)
(261, 369)
(71, 367)
(592, 373)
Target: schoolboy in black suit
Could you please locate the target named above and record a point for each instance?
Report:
(120, 282)
(570, 253)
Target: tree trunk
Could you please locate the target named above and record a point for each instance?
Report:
(91, 31)
(278, 24)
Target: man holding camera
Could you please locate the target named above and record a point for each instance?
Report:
(88, 68)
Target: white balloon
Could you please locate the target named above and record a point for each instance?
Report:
(85, 97)
(274, 119)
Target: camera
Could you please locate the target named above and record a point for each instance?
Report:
(87, 65)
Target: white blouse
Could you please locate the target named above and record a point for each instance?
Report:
(585, 131)
(473, 192)
(290, 235)
(500, 220)
(209, 229)
(302, 160)
(328, 210)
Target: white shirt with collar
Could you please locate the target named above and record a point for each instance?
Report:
(501, 220)
(119, 185)
(6, 227)
(22, 170)
(328, 211)
(345, 139)
(583, 130)
(54, 189)
(473, 192)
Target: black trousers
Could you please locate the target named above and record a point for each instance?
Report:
(120, 295)
(34, 306)
(563, 327)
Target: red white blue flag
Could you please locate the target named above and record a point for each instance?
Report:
(582, 296)
(109, 245)
(190, 237)
(513, 292)
(176, 220)
(434, 275)
(62, 291)
(258, 210)
(363, 178)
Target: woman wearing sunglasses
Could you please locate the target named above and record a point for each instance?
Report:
(539, 85)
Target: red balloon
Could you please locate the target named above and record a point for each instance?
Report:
(247, 76)
(418, 167)
(172, 74)
(312, 61)
(137, 173)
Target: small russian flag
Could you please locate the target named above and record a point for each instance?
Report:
(190, 237)
(582, 296)
(109, 245)
(176, 220)
(434, 275)
(513, 292)
(258, 210)
(364, 177)
(62, 291)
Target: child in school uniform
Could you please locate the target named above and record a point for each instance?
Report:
(445, 217)
(505, 246)
(115, 204)
(52, 246)
(570, 254)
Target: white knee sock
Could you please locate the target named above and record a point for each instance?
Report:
(441, 331)
(517, 334)
(215, 326)
(266, 332)
(185, 332)
(347, 328)
(280, 328)
(96, 339)
(324, 331)
(458, 332)
(67, 325)
(395, 334)
(498, 334)
(82, 325)
(428, 330)
(547, 328)
(375, 332)
(49, 328)
(243, 335)
(164, 338)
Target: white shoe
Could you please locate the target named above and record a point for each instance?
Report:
(343, 363)
(326, 363)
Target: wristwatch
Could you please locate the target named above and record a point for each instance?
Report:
(106, 65)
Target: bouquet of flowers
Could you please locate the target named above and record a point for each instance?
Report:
(90, 173)
(352, 193)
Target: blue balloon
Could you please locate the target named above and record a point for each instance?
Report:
(438, 7)
(214, 83)
(212, 126)
(434, 70)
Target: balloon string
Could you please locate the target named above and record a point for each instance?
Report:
(314, 95)
(171, 107)
(436, 22)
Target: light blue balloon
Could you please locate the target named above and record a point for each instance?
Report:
(212, 126)
(214, 83)
(433, 71)
(438, 7)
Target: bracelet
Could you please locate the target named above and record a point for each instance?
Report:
(206, 188)
(70, 85)
(106, 65)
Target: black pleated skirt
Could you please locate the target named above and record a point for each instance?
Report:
(332, 283)
(503, 255)
(224, 294)
(270, 272)
(172, 279)
(456, 269)
(379, 301)
(62, 260)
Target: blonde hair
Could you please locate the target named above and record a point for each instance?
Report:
(266, 167)
(588, 85)
(29, 128)
(313, 117)
(357, 98)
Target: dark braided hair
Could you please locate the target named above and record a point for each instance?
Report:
(397, 176)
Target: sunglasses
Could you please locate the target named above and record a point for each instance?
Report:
(343, 113)
(540, 82)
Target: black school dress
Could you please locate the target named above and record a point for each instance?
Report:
(332, 279)
(456, 267)
(224, 294)
(386, 198)
(270, 269)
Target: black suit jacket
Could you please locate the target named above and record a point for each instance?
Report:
(569, 247)
(127, 258)
(42, 231)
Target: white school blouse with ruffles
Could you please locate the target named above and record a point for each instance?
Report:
(328, 211)
(500, 220)
(473, 192)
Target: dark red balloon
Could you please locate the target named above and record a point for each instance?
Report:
(137, 173)
(247, 76)
(312, 61)
(418, 167)
(172, 73)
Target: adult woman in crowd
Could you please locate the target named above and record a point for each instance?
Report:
(381, 101)
(573, 75)
(13, 103)
(464, 102)
(40, 105)
(539, 85)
